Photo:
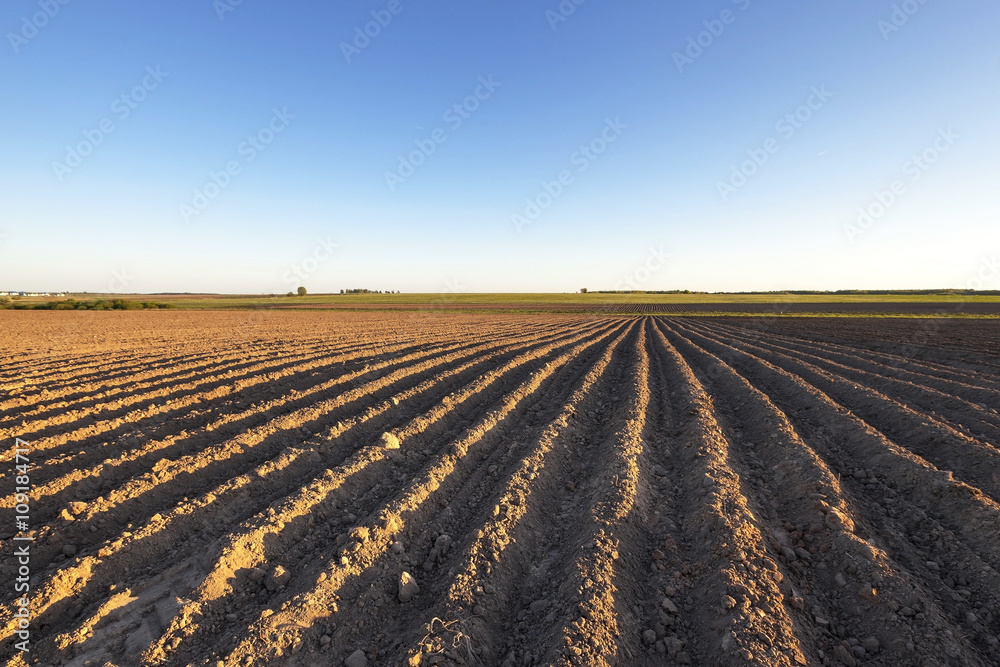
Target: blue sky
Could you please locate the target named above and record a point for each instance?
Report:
(208, 146)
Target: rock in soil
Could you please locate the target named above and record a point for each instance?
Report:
(407, 587)
(390, 441)
(356, 659)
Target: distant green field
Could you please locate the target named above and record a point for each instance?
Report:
(596, 300)
(783, 304)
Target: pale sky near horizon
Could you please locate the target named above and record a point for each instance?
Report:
(482, 146)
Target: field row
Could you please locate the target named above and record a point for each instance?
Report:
(503, 490)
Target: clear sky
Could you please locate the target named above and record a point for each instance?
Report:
(251, 147)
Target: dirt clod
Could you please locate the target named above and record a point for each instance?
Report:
(844, 656)
(356, 659)
(408, 587)
(837, 520)
(279, 577)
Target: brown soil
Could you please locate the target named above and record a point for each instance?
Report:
(249, 488)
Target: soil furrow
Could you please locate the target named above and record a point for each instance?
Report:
(611, 632)
(292, 395)
(903, 360)
(299, 488)
(721, 602)
(182, 475)
(835, 591)
(397, 519)
(972, 460)
(496, 563)
(922, 515)
(282, 466)
(140, 407)
(104, 395)
(968, 403)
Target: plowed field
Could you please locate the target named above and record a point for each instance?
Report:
(267, 488)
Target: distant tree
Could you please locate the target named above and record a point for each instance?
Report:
(290, 294)
(301, 291)
(583, 290)
(341, 291)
